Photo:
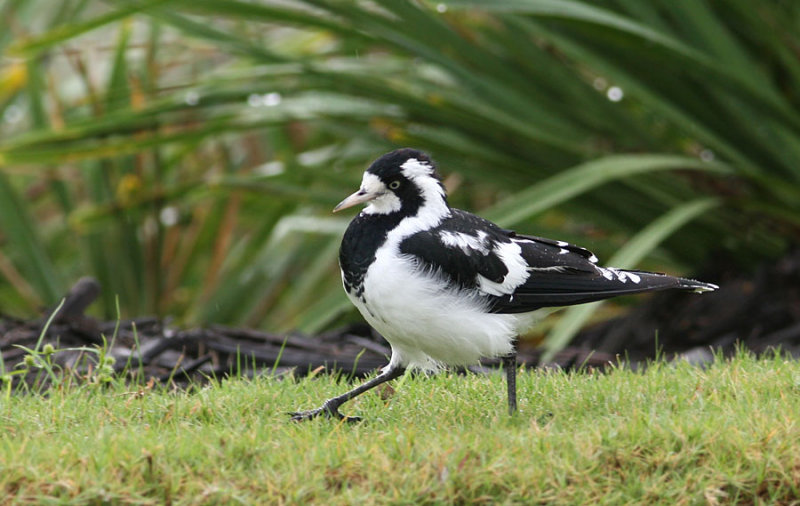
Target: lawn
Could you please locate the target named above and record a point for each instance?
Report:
(673, 434)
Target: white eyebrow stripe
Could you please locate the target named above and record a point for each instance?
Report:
(413, 168)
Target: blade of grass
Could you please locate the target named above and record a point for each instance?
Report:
(576, 11)
(31, 46)
(21, 230)
(567, 184)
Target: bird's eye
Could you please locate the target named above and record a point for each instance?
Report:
(394, 185)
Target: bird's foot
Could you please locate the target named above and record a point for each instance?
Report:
(329, 410)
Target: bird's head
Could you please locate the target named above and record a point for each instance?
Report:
(404, 180)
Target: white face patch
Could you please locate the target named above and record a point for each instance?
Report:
(434, 207)
(386, 202)
(511, 256)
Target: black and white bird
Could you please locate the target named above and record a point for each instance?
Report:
(446, 287)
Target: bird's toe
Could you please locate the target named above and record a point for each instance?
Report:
(331, 410)
(300, 416)
(327, 410)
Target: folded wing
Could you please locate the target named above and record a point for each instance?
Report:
(517, 273)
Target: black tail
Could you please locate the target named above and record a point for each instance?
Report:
(567, 287)
(628, 282)
(696, 286)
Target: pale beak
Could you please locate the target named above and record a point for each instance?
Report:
(358, 197)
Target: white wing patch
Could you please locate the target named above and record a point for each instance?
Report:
(611, 273)
(511, 255)
(552, 268)
(466, 242)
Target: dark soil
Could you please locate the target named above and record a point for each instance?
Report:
(760, 312)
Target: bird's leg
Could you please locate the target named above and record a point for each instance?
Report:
(330, 408)
(510, 365)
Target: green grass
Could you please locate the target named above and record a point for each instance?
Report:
(671, 435)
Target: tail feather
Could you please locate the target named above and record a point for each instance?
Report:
(656, 281)
(697, 286)
(567, 287)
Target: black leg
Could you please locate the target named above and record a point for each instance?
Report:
(330, 408)
(510, 365)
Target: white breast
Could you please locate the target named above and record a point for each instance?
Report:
(425, 324)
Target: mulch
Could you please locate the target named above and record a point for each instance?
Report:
(759, 311)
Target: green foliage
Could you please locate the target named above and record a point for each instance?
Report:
(39, 373)
(187, 152)
(673, 433)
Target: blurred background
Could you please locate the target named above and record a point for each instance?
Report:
(187, 153)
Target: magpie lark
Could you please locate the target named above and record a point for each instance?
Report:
(446, 287)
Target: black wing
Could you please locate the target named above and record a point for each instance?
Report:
(460, 249)
(474, 254)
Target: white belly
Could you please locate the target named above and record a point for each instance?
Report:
(427, 326)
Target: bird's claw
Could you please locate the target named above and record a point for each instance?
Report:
(299, 416)
(327, 410)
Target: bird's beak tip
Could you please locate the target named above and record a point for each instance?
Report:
(358, 197)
